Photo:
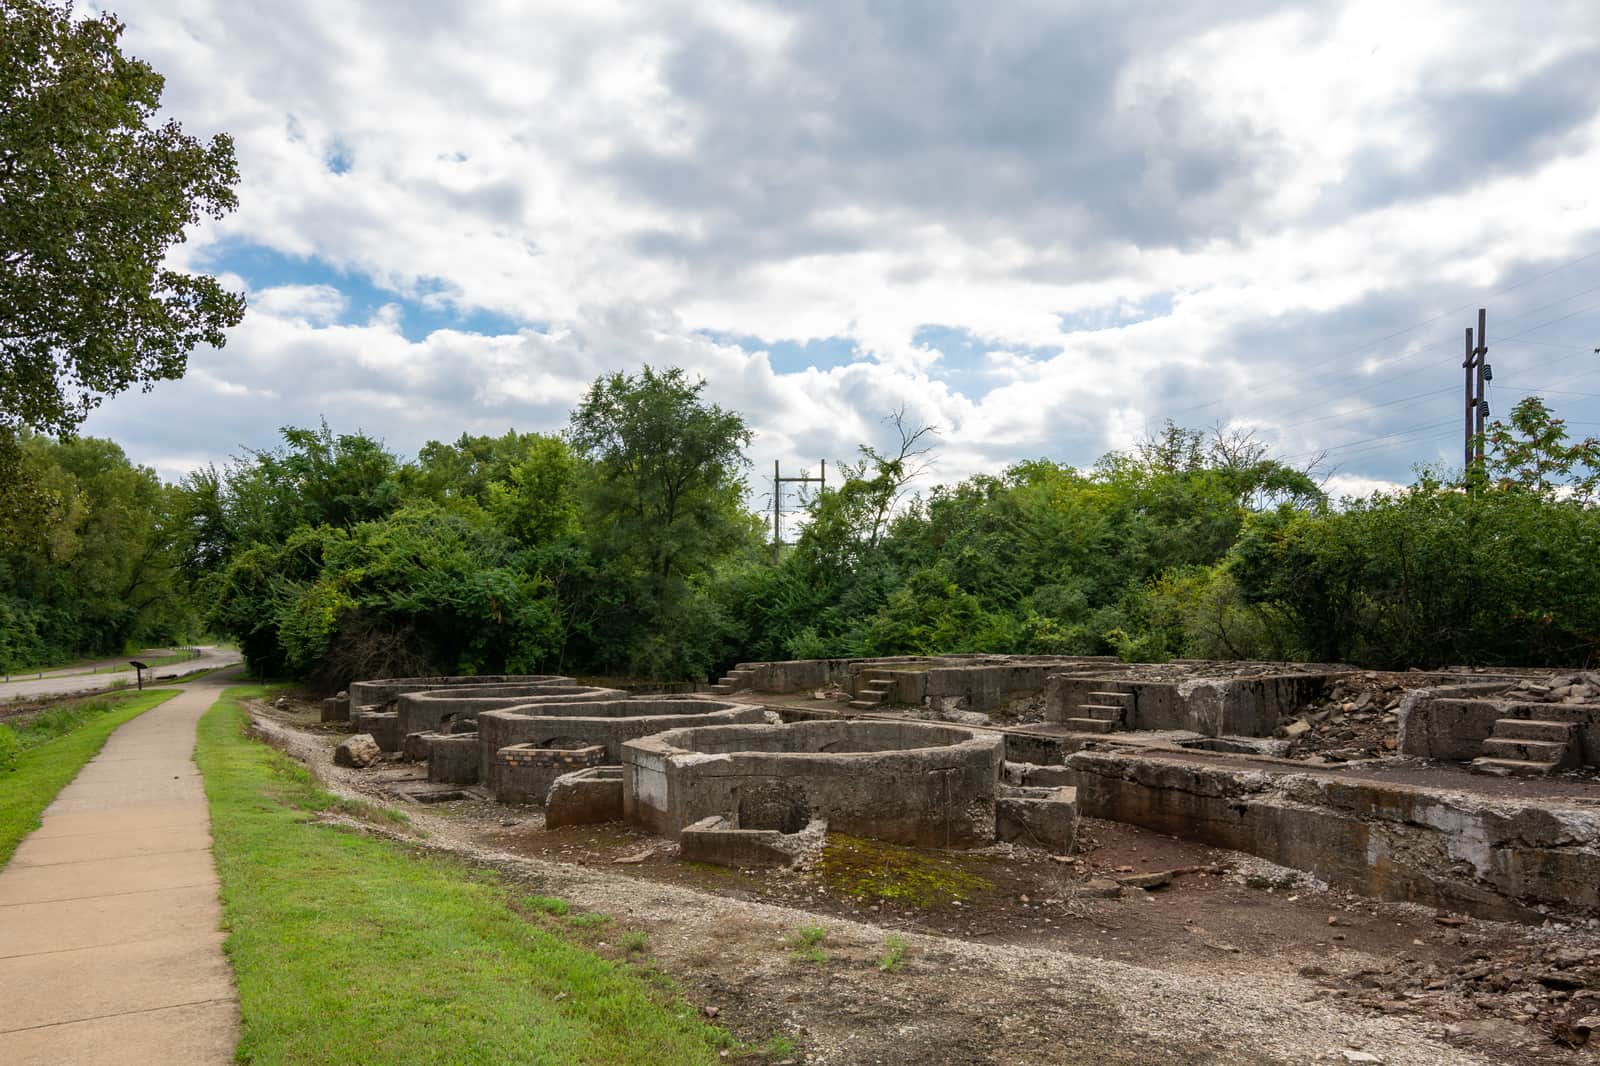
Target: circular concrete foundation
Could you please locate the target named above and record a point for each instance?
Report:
(426, 710)
(907, 782)
(555, 724)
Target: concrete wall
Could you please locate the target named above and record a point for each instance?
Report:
(1453, 723)
(1243, 706)
(804, 675)
(985, 681)
(1397, 842)
(377, 693)
(423, 711)
(607, 722)
(906, 782)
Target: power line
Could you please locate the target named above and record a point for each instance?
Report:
(1426, 322)
(1371, 386)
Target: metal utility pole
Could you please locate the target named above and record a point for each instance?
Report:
(778, 482)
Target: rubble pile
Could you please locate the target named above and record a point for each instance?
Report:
(1560, 688)
(1555, 989)
(1357, 719)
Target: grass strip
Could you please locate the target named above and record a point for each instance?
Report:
(41, 755)
(351, 948)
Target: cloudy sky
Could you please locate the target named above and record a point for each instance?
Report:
(1043, 227)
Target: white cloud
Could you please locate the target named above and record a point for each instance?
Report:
(1282, 184)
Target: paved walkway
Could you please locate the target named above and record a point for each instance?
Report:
(110, 949)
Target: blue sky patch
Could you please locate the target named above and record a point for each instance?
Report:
(265, 268)
(1113, 316)
(792, 357)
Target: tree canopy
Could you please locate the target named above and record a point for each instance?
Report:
(92, 196)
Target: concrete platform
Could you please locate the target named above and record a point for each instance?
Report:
(110, 939)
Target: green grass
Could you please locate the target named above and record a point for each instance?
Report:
(351, 948)
(47, 751)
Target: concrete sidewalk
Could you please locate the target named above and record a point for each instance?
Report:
(110, 949)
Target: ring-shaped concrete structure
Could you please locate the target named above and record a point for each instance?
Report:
(907, 782)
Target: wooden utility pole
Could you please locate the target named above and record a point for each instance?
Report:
(1477, 371)
(1482, 352)
(778, 482)
(1471, 408)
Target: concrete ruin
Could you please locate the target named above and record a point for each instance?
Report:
(946, 682)
(1204, 751)
(374, 706)
(522, 749)
(1507, 726)
(902, 782)
(753, 772)
(1234, 699)
(1493, 858)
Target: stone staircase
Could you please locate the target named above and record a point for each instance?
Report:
(1104, 712)
(1528, 747)
(873, 694)
(731, 682)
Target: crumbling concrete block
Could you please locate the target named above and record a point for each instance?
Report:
(718, 839)
(1492, 858)
(382, 726)
(1043, 817)
(1034, 776)
(452, 758)
(336, 708)
(527, 772)
(414, 748)
(359, 752)
(584, 797)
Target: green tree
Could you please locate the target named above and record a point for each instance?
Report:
(663, 509)
(91, 197)
(667, 483)
(1532, 453)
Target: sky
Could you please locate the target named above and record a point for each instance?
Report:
(1043, 228)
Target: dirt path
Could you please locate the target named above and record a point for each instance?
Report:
(110, 949)
(952, 1001)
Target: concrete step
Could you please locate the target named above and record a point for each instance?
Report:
(1090, 725)
(1548, 751)
(863, 705)
(1534, 729)
(1102, 712)
(1120, 699)
(719, 689)
(878, 686)
(872, 696)
(1512, 767)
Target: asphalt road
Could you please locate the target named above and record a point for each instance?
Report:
(60, 685)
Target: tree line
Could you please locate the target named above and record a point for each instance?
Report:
(625, 546)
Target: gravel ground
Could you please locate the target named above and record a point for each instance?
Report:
(952, 1001)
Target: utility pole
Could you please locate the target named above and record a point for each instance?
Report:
(1477, 371)
(778, 482)
(1484, 374)
(1471, 408)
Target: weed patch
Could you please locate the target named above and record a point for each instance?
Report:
(807, 943)
(894, 953)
